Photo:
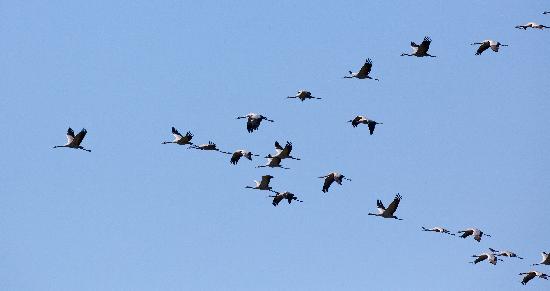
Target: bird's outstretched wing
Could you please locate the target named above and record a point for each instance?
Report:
(79, 137)
(328, 181)
(235, 157)
(70, 135)
(484, 46)
(425, 45)
(371, 125)
(176, 133)
(355, 122)
(287, 149)
(265, 181)
(380, 206)
(365, 69)
(394, 204)
(253, 124)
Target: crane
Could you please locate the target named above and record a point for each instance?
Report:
(303, 95)
(360, 119)
(532, 274)
(545, 259)
(238, 154)
(505, 253)
(488, 255)
(438, 229)
(363, 72)
(484, 45)
(179, 138)
(273, 162)
(263, 184)
(74, 141)
(279, 196)
(390, 211)
(473, 231)
(533, 25)
(330, 178)
(283, 153)
(253, 121)
(420, 50)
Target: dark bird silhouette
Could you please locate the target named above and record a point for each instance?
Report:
(74, 141)
(532, 274)
(332, 177)
(263, 184)
(363, 72)
(360, 119)
(420, 50)
(280, 196)
(179, 138)
(253, 121)
(390, 211)
(473, 231)
(303, 95)
(484, 45)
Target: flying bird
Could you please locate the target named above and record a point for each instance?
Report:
(210, 146)
(484, 45)
(283, 153)
(74, 141)
(273, 162)
(505, 253)
(253, 121)
(360, 119)
(263, 184)
(488, 255)
(280, 196)
(532, 274)
(179, 138)
(420, 50)
(438, 229)
(303, 95)
(473, 231)
(332, 177)
(546, 12)
(533, 25)
(363, 72)
(545, 259)
(388, 212)
(237, 155)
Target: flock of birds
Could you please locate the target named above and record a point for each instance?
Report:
(253, 122)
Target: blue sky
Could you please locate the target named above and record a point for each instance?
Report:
(464, 140)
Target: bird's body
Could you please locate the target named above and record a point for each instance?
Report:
(473, 231)
(283, 153)
(360, 119)
(303, 95)
(390, 211)
(486, 256)
(280, 196)
(179, 138)
(532, 274)
(505, 253)
(363, 72)
(546, 12)
(263, 184)
(238, 154)
(438, 229)
(484, 45)
(533, 25)
(332, 177)
(420, 50)
(253, 121)
(74, 141)
(545, 259)
(273, 162)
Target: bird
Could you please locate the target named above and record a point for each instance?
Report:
(363, 72)
(283, 153)
(438, 229)
(388, 212)
(273, 162)
(420, 50)
(263, 184)
(303, 95)
(545, 259)
(364, 120)
(532, 274)
(210, 146)
(330, 178)
(236, 156)
(532, 25)
(74, 141)
(488, 255)
(494, 45)
(473, 231)
(546, 12)
(253, 121)
(179, 138)
(505, 253)
(279, 196)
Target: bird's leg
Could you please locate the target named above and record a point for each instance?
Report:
(431, 56)
(82, 148)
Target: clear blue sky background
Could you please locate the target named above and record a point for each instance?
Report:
(464, 140)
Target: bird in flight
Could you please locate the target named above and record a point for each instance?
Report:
(390, 211)
(363, 72)
(508, 254)
(280, 196)
(484, 45)
(473, 231)
(532, 274)
(179, 138)
(420, 50)
(253, 121)
(360, 119)
(533, 25)
(303, 95)
(283, 153)
(486, 256)
(438, 229)
(237, 155)
(74, 141)
(263, 184)
(330, 178)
